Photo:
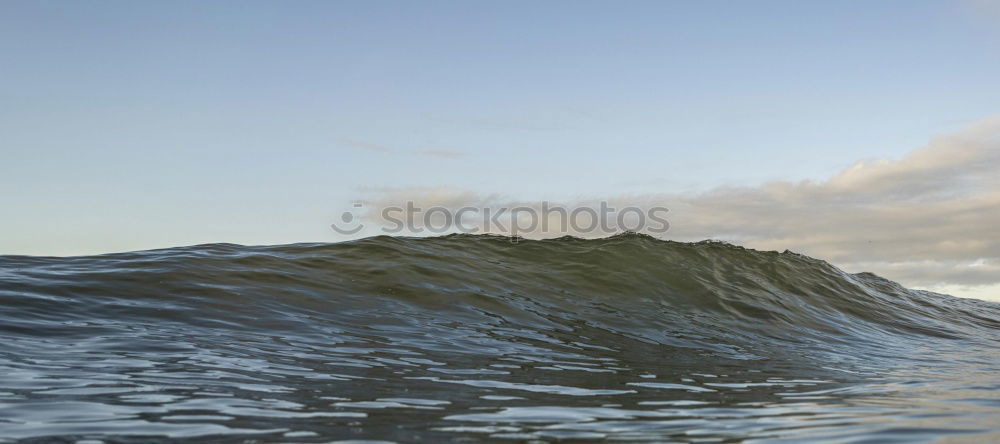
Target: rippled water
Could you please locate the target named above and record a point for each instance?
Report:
(465, 338)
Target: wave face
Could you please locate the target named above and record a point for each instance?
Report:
(478, 338)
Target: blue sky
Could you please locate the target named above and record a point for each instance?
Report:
(131, 125)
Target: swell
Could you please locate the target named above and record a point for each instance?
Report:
(699, 299)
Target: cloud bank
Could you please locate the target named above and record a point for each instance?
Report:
(930, 219)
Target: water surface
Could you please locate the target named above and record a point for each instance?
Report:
(467, 338)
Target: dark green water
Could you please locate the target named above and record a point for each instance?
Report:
(469, 338)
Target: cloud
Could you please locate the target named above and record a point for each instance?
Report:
(442, 153)
(926, 219)
(366, 145)
(929, 219)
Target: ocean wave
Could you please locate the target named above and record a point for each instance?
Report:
(584, 337)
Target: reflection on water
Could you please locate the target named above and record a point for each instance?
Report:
(324, 343)
(375, 387)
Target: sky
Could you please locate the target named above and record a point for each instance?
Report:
(774, 124)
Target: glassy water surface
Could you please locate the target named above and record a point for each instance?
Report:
(467, 338)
